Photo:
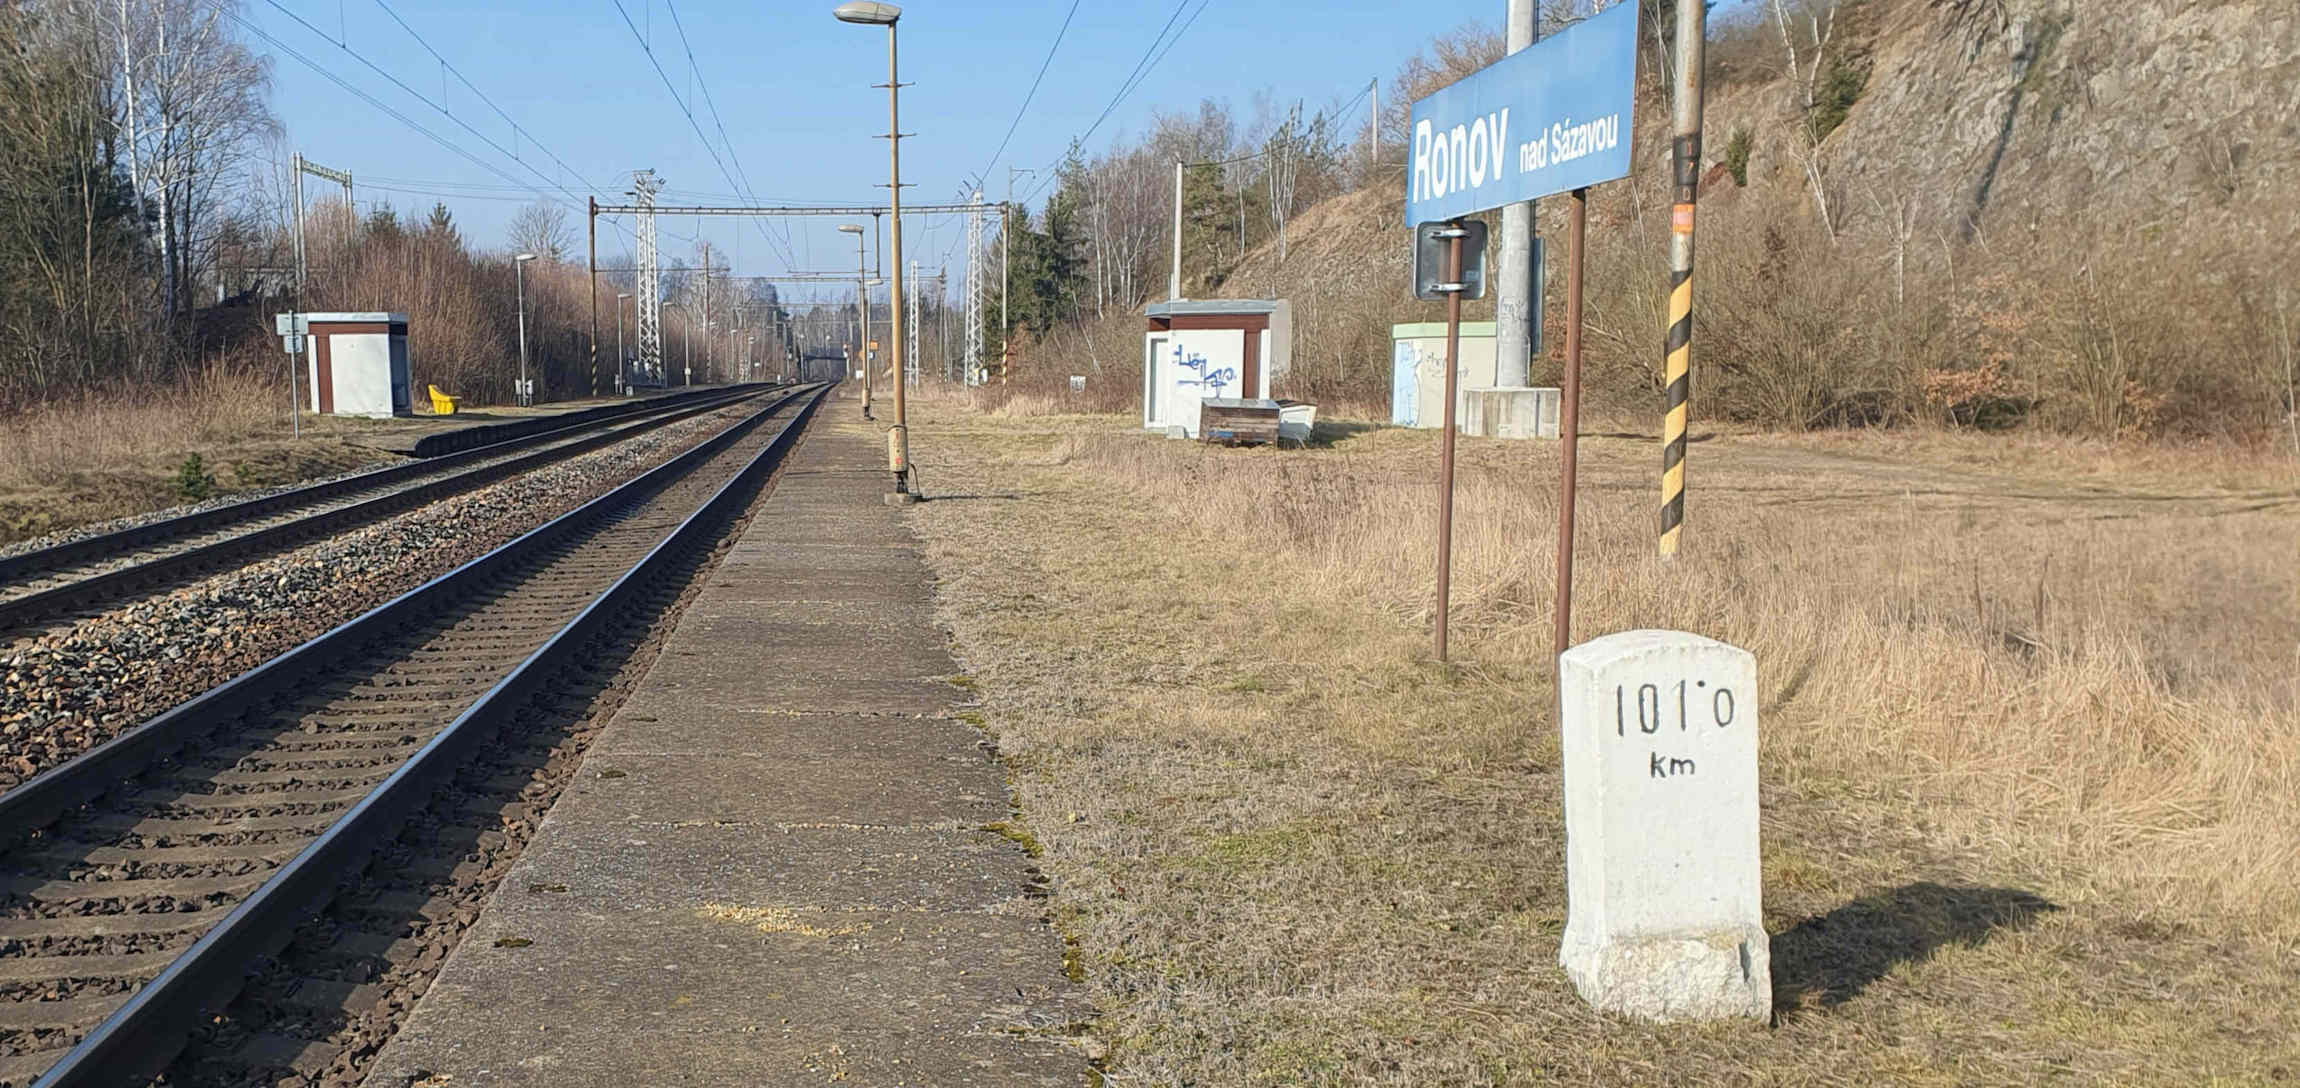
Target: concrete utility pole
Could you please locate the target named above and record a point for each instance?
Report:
(1174, 271)
(878, 13)
(591, 249)
(1516, 312)
(620, 296)
(1685, 154)
(519, 272)
(1006, 269)
(304, 166)
(1374, 127)
(299, 261)
(862, 311)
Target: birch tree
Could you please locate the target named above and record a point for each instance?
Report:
(1819, 18)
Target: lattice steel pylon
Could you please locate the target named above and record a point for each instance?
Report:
(649, 290)
(910, 331)
(974, 277)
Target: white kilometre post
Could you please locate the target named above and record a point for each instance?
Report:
(1663, 897)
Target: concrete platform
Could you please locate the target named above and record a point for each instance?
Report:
(771, 869)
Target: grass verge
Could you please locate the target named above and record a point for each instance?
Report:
(2030, 750)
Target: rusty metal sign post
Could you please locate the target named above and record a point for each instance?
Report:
(1574, 104)
(1569, 424)
(1463, 243)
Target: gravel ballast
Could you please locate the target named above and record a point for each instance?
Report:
(71, 687)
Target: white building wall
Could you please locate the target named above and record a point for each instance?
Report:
(1417, 387)
(1185, 366)
(363, 370)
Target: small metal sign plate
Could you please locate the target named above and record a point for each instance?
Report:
(1431, 244)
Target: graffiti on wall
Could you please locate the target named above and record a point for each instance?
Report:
(1211, 381)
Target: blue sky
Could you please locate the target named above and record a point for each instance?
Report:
(791, 85)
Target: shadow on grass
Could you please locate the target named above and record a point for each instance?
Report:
(1693, 439)
(1828, 959)
(1326, 432)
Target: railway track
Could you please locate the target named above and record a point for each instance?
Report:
(57, 582)
(147, 877)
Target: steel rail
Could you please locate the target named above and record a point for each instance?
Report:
(138, 1039)
(448, 442)
(33, 606)
(70, 552)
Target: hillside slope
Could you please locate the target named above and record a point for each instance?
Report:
(2014, 180)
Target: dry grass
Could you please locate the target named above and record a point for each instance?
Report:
(103, 454)
(2031, 748)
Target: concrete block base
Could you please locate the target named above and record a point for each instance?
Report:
(1522, 412)
(1701, 976)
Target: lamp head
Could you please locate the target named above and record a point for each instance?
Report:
(871, 12)
(849, 228)
(524, 258)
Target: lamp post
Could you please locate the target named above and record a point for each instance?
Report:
(862, 309)
(526, 393)
(878, 13)
(622, 365)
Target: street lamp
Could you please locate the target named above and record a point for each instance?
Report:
(862, 309)
(622, 364)
(526, 393)
(877, 13)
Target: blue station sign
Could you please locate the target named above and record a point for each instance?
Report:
(1549, 118)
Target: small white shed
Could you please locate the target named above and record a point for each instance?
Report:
(1207, 349)
(357, 364)
(1417, 369)
(1417, 385)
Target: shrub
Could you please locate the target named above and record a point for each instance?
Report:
(193, 480)
(1834, 98)
(1737, 149)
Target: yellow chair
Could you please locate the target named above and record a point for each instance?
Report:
(441, 403)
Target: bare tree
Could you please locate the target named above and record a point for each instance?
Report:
(1281, 156)
(1900, 219)
(541, 228)
(1820, 19)
(193, 110)
(1451, 56)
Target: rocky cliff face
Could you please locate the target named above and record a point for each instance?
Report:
(2145, 120)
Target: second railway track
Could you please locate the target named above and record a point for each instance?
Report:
(146, 877)
(55, 582)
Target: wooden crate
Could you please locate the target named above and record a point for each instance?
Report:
(1238, 422)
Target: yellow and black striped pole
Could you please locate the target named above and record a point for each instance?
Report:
(1678, 359)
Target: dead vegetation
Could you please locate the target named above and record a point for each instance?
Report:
(93, 455)
(2031, 739)
(1869, 254)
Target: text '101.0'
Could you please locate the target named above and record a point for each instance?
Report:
(1650, 706)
